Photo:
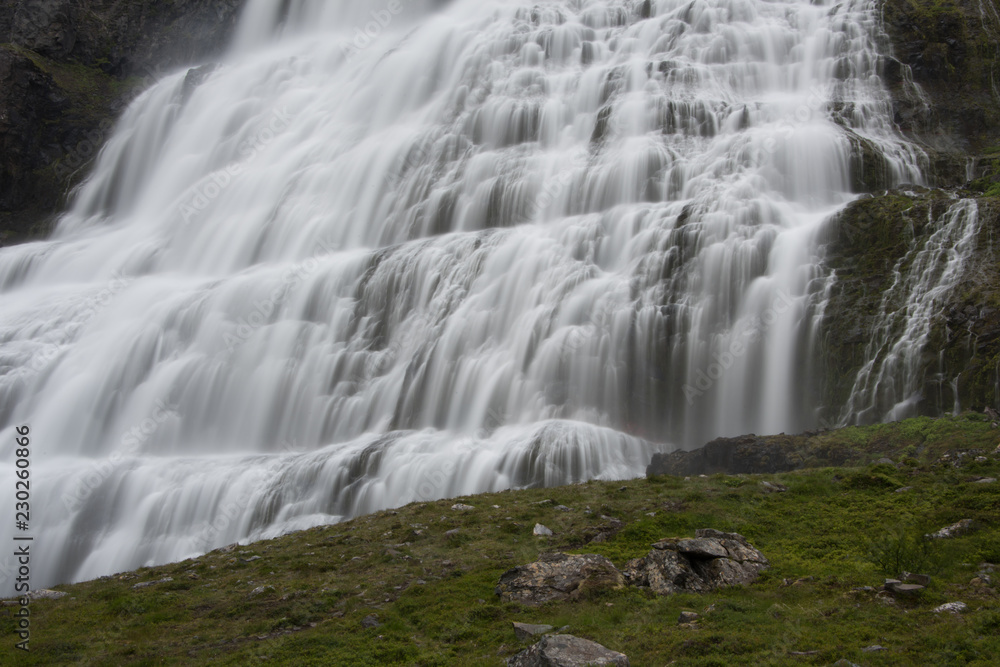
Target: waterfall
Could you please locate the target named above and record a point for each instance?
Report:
(396, 251)
(890, 383)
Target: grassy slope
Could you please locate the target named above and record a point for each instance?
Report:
(327, 580)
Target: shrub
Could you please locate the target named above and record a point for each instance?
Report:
(897, 550)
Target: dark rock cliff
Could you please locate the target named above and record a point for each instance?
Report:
(67, 69)
(951, 50)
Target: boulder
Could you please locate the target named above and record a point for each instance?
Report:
(712, 560)
(558, 576)
(567, 651)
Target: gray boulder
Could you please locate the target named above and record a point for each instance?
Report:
(558, 577)
(567, 651)
(712, 560)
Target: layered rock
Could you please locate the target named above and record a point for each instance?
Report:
(711, 560)
(558, 577)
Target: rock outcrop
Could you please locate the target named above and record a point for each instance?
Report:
(711, 560)
(558, 577)
(567, 651)
(747, 454)
(951, 49)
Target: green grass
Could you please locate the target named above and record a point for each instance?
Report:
(326, 580)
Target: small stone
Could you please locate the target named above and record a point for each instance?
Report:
(922, 579)
(903, 489)
(886, 461)
(562, 508)
(885, 597)
(542, 531)
(985, 480)
(147, 584)
(370, 621)
(525, 631)
(906, 589)
(845, 663)
(772, 487)
(981, 459)
(260, 590)
(955, 529)
(45, 594)
(687, 617)
(873, 648)
(253, 558)
(951, 607)
(452, 532)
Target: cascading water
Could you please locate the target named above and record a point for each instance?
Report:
(890, 383)
(383, 254)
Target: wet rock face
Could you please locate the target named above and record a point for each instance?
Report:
(567, 651)
(747, 454)
(711, 560)
(558, 577)
(122, 38)
(50, 105)
(44, 26)
(27, 97)
(952, 49)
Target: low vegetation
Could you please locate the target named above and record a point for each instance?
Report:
(415, 586)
